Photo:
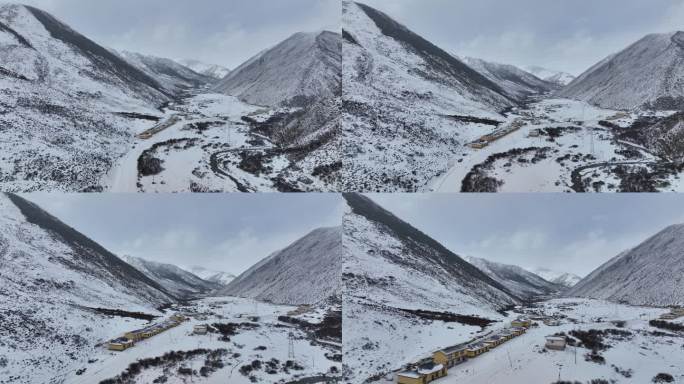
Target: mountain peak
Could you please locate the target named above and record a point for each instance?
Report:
(305, 66)
(646, 75)
(286, 276)
(648, 274)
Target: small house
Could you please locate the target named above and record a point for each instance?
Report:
(557, 343)
(535, 133)
(521, 323)
(450, 356)
(517, 331)
(493, 342)
(478, 145)
(477, 349)
(120, 344)
(200, 329)
(424, 374)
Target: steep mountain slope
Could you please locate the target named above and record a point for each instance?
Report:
(301, 79)
(173, 76)
(216, 72)
(388, 261)
(219, 277)
(647, 74)
(175, 280)
(51, 280)
(652, 273)
(556, 77)
(306, 272)
(397, 278)
(304, 67)
(564, 279)
(513, 80)
(399, 90)
(60, 93)
(522, 283)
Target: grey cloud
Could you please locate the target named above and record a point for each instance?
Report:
(229, 232)
(563, 35)
(574, 233)
(225, 32)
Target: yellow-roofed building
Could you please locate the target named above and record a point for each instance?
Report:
(424, 374)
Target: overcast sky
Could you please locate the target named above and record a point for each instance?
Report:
(225, 32)
(225, 232)
(568, 233)
(563, 35)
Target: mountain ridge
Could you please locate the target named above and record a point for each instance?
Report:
(649, 274)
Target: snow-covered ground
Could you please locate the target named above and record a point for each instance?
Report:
(264, 339)
(548, 164)
(207, 149)
(641, 353)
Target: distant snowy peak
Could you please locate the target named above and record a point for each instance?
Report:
(559, 78)
(523, 283)
(303, 68)
(173, 76)
(306, 272)
(389, 262)
(649, 274)
(216, 72)
(648, 74)
(223, 278)
(515, 81)
(176, 280)
(561, 278)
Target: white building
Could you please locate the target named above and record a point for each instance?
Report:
(557, 343)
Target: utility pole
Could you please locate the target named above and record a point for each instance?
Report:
(290, 347)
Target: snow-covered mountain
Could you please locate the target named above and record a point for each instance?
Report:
(60, 93)
(301, 77)
(395, 278)
(559, 78)
(174, 279)
(304, 67)
(174, 77)
(306, 272)
(564, 279)
(519, 281)
(647, 74)
(388, 261)
(399, 91)
(513, 80)
(218, 277)
(52, 280)
(652, 273)
(216, 72)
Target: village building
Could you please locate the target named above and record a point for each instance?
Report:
(557, 343)
(120, 344)
(424, 374)
(476, 349)
(200, 329)
(517, 331)
(493, 341)
(450, 356)
(478, 145)
(521, 323)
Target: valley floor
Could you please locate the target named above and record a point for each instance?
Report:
(205, 146)
(560, 147)
(261, 343)
(635, 351)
